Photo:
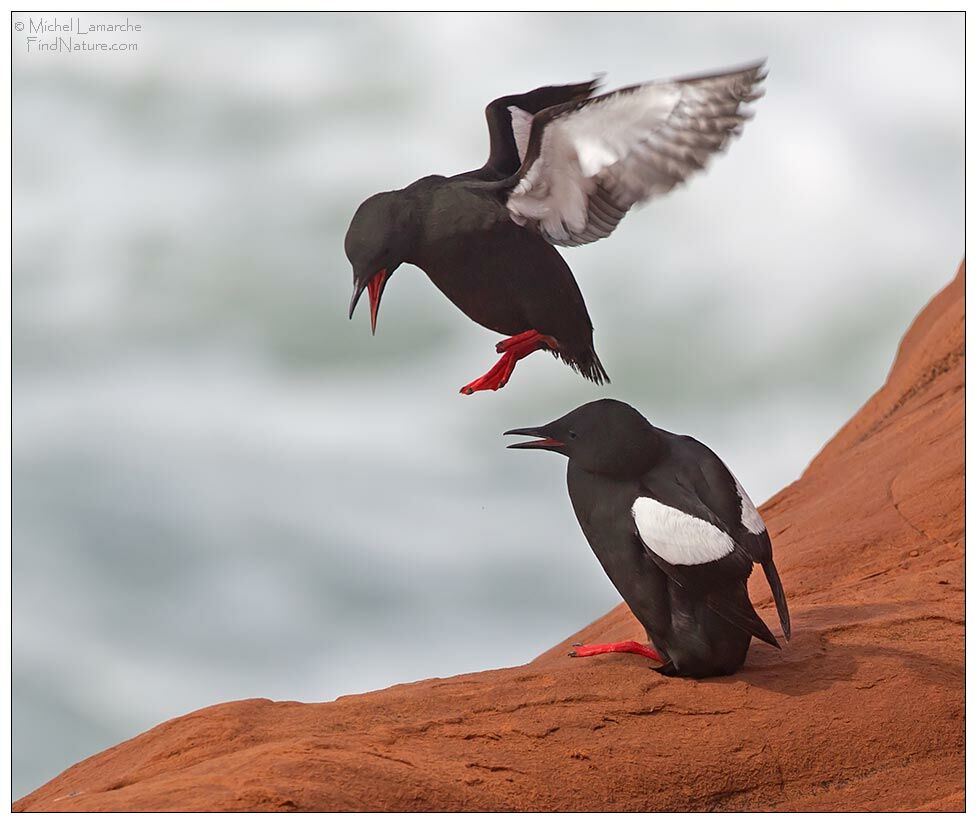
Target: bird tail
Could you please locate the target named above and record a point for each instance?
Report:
(586, 364)
(780, 599)
(740, 613)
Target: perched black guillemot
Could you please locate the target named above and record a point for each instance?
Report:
(563, 169)
(675, 532)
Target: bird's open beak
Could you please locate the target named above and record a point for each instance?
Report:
(374, 287)
(544, 442)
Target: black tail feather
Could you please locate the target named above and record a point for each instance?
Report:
(586, 364)
(743, 616)
(780, 599)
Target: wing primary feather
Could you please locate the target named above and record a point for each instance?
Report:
(780, 599)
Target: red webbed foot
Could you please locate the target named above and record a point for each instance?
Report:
(495, 378)
(585, 650)
(512, 350)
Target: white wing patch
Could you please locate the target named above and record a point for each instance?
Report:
(678, 537)
(522, 123)
(749, 516)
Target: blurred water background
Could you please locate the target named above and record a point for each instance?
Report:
(224, 489)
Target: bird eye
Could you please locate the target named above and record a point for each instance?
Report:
(572, 435)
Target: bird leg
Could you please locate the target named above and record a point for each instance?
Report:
(585, 650)
(522, 337)
(512, 350)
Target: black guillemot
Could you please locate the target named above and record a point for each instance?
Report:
(564, 167)
(675, 532)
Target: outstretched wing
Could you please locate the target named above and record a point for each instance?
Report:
(509, 120)
(589, 161)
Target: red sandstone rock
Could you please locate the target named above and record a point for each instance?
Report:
(863, 710)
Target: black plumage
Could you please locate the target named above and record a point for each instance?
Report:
(674, 531)
(564, 167)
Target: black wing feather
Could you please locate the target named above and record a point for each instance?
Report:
(779, 597)
(715, 486)
(504, 159)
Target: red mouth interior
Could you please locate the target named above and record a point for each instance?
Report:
(374, 287)
(540, 443)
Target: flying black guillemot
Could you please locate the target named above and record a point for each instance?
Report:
(563, 169)
(675, 532)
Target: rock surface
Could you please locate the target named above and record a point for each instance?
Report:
(863, 710)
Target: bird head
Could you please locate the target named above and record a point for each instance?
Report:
(377, 242)
(606, 437)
